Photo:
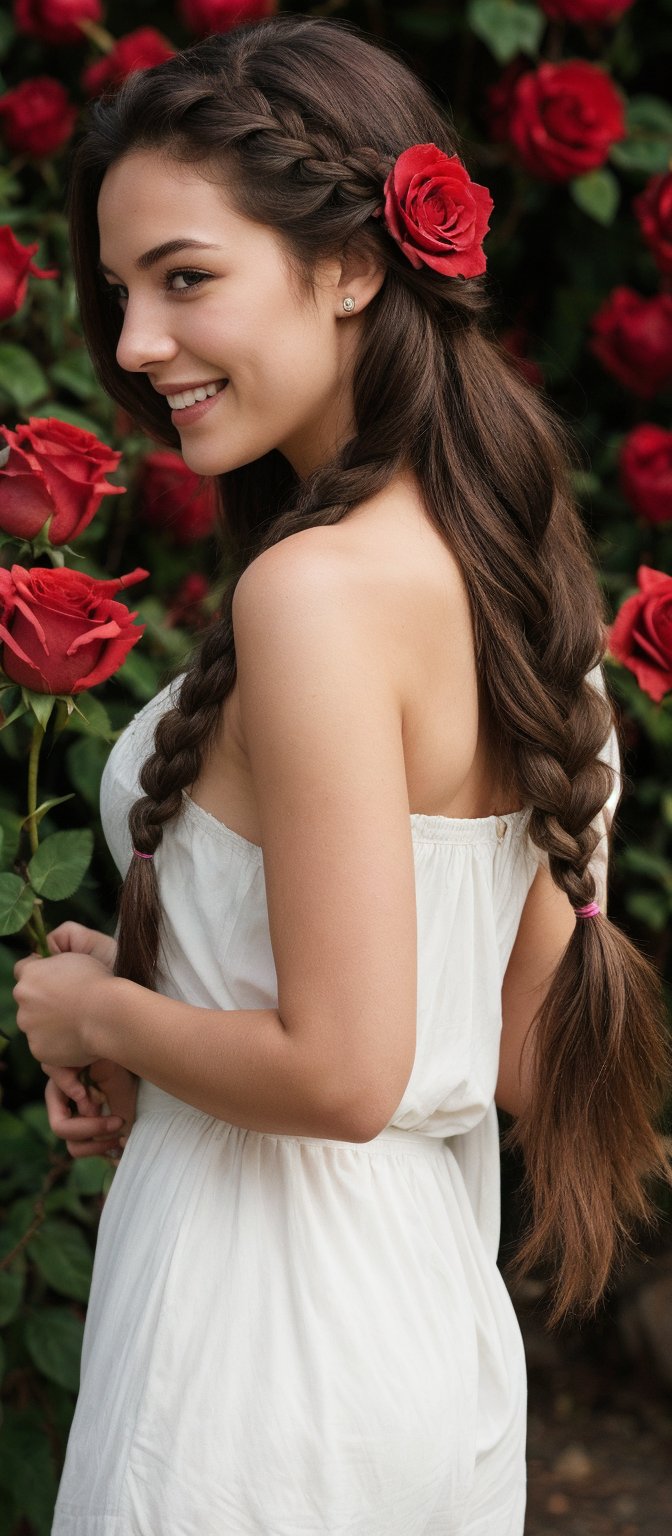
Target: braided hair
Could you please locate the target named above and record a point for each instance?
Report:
(301, 118)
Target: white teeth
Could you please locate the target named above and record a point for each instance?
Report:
(190, 396)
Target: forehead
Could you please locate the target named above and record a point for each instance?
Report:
(145, 199)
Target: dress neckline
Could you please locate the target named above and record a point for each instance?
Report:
(424, 827)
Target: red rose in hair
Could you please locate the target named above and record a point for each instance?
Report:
(137, 50)
(55, 21)
(52, 469)
(16, 266)
(564, 119)
(646, 471)
(633, 340)
(641, 634)
(62, 630)
(203, 16)
(37, 117)
(436, 213)
(653, 208)
(586, 12)
(173, 499)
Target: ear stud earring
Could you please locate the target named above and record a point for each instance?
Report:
(349, 304)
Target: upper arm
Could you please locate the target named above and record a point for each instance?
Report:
(322, 723)
(546, 926)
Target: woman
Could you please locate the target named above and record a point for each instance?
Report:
(296, 1321)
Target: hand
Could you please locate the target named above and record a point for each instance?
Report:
(104, 1114)
(57, 1001)
(85, 941)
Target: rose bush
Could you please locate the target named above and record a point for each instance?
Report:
(51, 469)
(63, 631)
(137, 50)
(632, 337)
(564, 118)
(653, 208)
(16, 266)
(55, 21)
(203, 16)
(646, 471)
(641, 634)
(38, 117)
(586, 12)
(172, 498)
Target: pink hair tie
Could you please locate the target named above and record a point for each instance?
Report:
(140, 855)
(591, 910)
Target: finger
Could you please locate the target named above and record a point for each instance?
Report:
(78, 1127)
(107, 1148)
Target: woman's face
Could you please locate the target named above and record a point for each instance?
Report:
(288, 361)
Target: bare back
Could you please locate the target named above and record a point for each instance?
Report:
(414, 593)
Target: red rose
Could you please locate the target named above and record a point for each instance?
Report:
(55, 21)
(564, 119)
(586, 12)
(641, 634)
(516, 341)
(204, 16)
(38, 118)
(62, 630)
(499, 100)
(137, 50)
(187, 604)
(653, 208)
(52, 469)
(646, 471)
(437, 215)
(633, 340)
(16, 266)
(173, 498)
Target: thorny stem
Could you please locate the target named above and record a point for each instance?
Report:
(33, 761)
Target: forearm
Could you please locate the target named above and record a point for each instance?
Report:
(240, 1065)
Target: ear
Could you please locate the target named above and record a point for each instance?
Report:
(361, 275)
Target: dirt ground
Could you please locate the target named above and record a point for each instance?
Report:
(599, 1437)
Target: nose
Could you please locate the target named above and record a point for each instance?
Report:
(143, 340)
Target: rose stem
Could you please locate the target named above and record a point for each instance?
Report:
(35, 744)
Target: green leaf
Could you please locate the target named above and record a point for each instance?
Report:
(140, 675)
(61, 861)
(11, 834)
(90, 717)
(63, 1257)
(507, 27)
(87, 1175)
(76, 374)
(11, 1291)
(7, 34)
(41, 705)
(597, 194)
(86, 760)
(651, 907)
(21, 378)
(54, 1342)
(16, 903)
(644, 861)
(27, 1470)
(42, 809)
(432, 26)
(648, 147)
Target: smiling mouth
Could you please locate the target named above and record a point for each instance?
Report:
(179, 402)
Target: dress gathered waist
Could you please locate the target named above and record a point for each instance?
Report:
(154, 1101)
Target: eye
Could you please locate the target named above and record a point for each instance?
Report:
(115, 290)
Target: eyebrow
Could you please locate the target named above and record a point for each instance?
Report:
(169, 248)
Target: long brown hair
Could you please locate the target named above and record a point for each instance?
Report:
(302, 118)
